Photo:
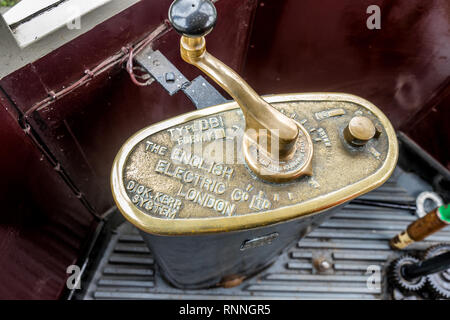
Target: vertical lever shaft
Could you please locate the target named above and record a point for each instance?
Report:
(194, 19)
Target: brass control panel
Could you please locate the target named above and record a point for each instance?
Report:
(189, 174)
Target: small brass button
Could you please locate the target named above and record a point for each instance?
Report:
(359, 130)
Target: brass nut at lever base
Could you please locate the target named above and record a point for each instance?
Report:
(274, 169)
(192, 48)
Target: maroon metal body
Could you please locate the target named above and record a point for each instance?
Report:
(280, 47)
(403, 68)
(43, 226)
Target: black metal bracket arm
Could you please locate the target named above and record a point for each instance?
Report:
(199, 91)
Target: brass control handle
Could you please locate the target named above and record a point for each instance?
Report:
(194, 19)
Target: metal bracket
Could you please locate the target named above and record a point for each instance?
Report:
(199, 91)
(162, 70)
(203, 94)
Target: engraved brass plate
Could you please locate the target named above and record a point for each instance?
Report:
(188, 175)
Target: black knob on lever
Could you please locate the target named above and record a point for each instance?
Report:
(193, 18)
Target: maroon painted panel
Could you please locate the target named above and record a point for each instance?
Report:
(432, 129)
(42, 224)
(306, 46)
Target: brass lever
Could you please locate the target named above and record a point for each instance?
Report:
(276, 147)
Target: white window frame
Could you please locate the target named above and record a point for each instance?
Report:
(34, 28)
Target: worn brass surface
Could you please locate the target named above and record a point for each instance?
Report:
(269, 134)
(419, 229)
(164, 187)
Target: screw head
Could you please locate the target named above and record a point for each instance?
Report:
(170, 77)
(322, 264)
